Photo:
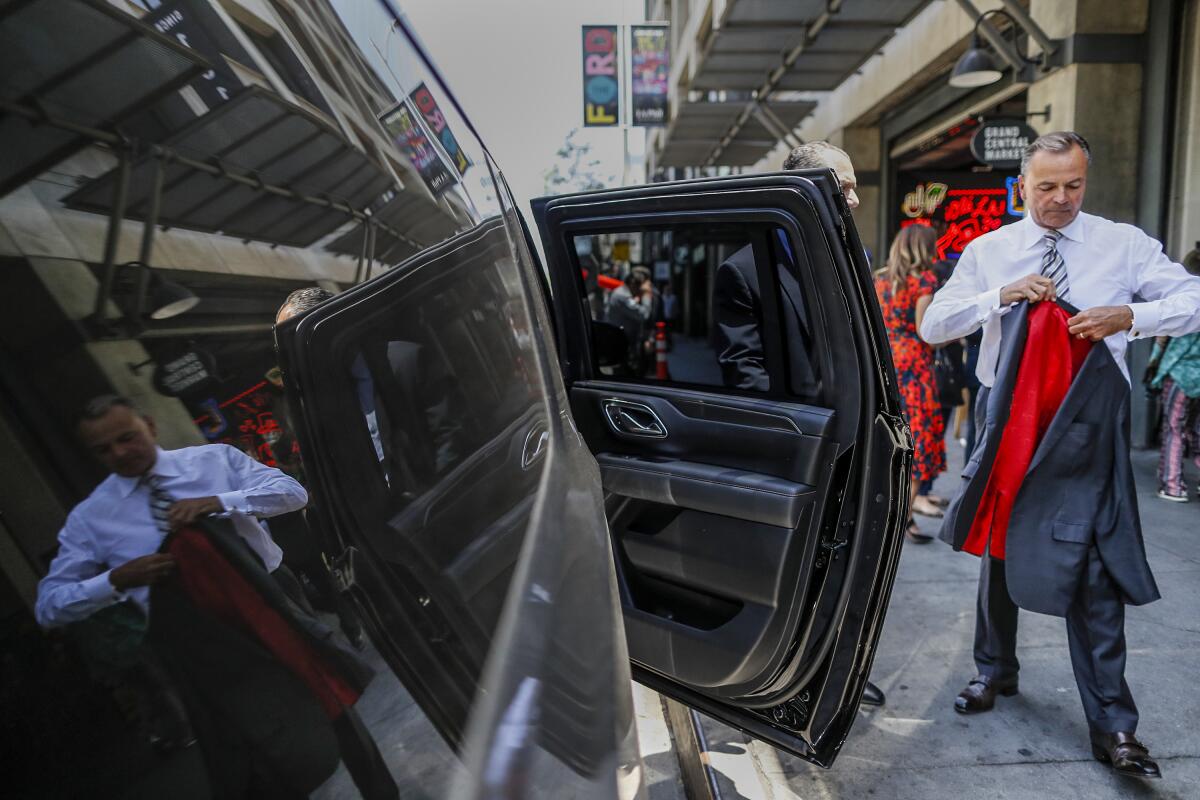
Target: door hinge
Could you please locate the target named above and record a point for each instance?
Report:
(838, 538)
(342, 569)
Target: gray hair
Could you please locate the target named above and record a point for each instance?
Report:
(1056, 142)
(305, 299)
(99, 406)
(812, 155)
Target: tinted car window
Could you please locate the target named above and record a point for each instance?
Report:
(688, 305)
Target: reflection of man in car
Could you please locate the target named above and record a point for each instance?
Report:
(737, 300)
(121, 544)
(108, 548)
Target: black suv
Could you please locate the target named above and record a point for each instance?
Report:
(549, 499)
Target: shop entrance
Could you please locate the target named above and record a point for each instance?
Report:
(941, 184)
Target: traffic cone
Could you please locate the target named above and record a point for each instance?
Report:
(660, 352)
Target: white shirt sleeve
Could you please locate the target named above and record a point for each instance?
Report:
(263, 491)
(77, 584)
(1171, 295)
(963, 305)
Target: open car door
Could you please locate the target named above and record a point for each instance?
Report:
(738, 395)
(461, 512)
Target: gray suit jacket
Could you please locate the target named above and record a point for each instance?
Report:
(1078, 490)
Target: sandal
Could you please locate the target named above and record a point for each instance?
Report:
(925, 508)
(937, 500)
(914, 535)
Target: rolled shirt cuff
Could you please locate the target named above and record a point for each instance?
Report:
(1146, 319)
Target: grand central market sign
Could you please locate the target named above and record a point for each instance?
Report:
(1000, 143)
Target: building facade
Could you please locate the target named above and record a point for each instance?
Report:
(874, 80)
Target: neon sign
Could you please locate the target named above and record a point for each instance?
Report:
(924, 200)
(247, 421)
(967, 213)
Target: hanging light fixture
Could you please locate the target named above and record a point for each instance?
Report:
(979, 66)
(168, 298)
(154, 297)
(976, 67)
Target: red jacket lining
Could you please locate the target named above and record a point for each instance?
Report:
(214, 585)
(1049, 363)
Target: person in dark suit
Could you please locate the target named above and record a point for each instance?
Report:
(1073, 543)
(737, 301)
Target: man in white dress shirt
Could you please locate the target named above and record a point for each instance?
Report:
(1127, 289)
(108, 549)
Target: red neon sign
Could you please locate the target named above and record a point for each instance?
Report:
(968, 213)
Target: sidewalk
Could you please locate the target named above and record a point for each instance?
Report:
(1034, 745)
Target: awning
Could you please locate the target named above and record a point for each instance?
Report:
(265, 161)
(699, 126)
(767, 47)
(411, 222)
(754, 35)
(80, 60)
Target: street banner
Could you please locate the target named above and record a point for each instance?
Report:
(601, 86)
(407, 134)
(650, 68)
(436, 120)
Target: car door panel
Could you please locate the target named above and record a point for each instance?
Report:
(738, 433)
(703, 487)
(755, 533)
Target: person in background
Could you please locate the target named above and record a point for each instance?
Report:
(630, 306)
(823, 155)
(905, 287)
(950, 379)
(1177, 375)
(670, 302)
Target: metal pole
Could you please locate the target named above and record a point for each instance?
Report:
(148, 226)
(120, 196)
(362, 255)
(370, 251)
(1025, 21)
(994, 37)
(791, 138)
(625, 53)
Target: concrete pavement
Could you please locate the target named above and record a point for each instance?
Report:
(1034, 745)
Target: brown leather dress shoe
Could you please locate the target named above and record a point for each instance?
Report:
(1125, 754)
(980, 694)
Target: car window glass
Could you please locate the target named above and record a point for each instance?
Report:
(700, 305)
(190, 165)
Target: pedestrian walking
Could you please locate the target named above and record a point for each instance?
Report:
(905, 288)
(1177, 377)
(1048, 499)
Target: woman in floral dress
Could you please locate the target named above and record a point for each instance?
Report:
(905, 288)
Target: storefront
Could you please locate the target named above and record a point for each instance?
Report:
(940, 175)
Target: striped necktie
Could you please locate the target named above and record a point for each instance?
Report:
(1053, 266)
(160, 501)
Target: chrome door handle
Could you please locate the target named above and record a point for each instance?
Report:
(633, 419)
(536, 443)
